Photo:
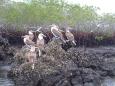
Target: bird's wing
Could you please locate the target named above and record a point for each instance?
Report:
(61, 30)
(56, 33)
(69, 36)
(30, 42)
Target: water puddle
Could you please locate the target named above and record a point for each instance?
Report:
(108, 82)
(4, 80)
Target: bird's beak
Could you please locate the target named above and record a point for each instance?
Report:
(44, 35)
(38, 30)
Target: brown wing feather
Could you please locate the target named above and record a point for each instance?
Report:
(69, 36)
(31, 36)
(57, 33)
(29, 42)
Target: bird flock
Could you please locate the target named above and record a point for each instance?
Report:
(40, 42)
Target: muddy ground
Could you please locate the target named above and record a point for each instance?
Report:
(77, 66)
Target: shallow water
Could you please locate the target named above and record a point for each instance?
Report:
(4, 80)
(108, 82)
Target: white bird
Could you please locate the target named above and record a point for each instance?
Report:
(57, 32)
(70, 36)
(31, 35)
(28, 41)
(40, 43)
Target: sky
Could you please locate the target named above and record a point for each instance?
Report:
(106, 6)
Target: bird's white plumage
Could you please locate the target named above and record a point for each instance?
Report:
(70, 36)
(40, 40)
(40, 43)
(30, 32)
(57, 32)
(40, 36)
(28, 41)
(39, 28)
(31, 35)
(33, 48)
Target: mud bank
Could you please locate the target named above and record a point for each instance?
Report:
(56, 67)
(77, 66)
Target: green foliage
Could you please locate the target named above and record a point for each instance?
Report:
(46, 11)
(109, 17)
(85, 13)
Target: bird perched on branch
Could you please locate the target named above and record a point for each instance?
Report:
(70, 36)
(57, 33)
(40, 43)
(28, 41)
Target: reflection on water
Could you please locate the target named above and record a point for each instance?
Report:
(4, 80)
(109, 82)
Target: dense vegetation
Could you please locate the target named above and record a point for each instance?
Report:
(47, 11)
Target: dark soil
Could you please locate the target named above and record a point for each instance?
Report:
(77, 66)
